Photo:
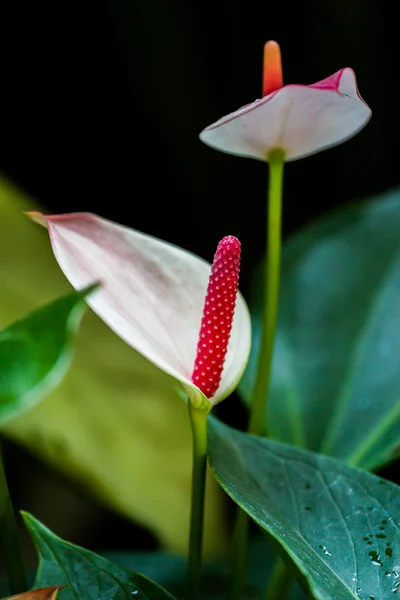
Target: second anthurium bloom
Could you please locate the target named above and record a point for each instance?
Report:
(170, 305)
(298, 119)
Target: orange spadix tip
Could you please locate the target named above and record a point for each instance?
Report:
(272, 75)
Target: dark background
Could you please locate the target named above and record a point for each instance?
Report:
(101, 107)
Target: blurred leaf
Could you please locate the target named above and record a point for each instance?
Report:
(339, 525)
(36, 351)
(336, 374)
(47, 593)
(114, 424)
(170, 571)
(86, 574)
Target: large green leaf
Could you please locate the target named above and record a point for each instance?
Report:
(36, 351)
(87, 575)
(339, 525)
(100, 424)
(336, 374)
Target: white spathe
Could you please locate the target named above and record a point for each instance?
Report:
(152, 294)
(299, 119)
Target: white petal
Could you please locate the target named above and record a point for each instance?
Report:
(299, 119)
(152, 294)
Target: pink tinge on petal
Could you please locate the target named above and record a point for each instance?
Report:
(217, 317)
(343, 82)
(329, 83)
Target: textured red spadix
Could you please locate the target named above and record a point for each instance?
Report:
(217, 317)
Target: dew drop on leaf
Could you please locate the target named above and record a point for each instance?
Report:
(395, 588)
(375, 558)
(324, 550)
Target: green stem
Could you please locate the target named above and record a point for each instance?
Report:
(9, 539)
(271, 293)
(240, 547)
(198, 421)
(269, 320)
(279, 583)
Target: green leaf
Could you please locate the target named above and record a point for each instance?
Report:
(339, 525)
(335, 387)
(36, 351)
(87, 575)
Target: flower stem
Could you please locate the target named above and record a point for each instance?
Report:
(240, 548)
(198, 421)
(269, 320)
(271, 293)
(280, 582)
(9, 539)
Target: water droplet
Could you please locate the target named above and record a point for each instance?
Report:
(384, 522)
(375, 558)
(307, 485)
(388, 574)
(395, 588)
(365, 538)
(381, 536)
(307, 507)
(388, 551)
(372, 598)
(324, 550)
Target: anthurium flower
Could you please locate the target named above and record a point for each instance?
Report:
(298, 119)
(152, 295)
(47, 593)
